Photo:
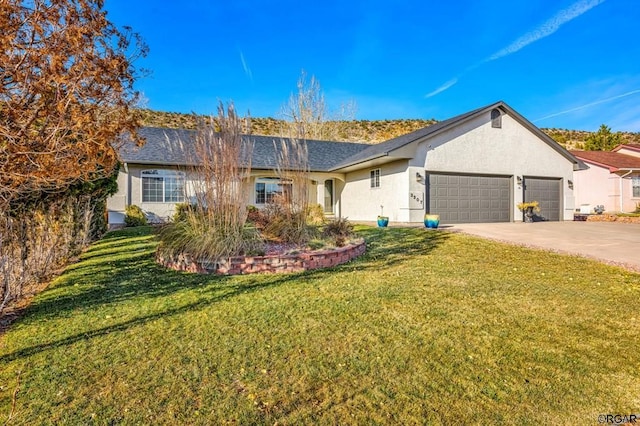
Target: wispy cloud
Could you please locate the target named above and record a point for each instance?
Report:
(547, 28)
(587, 105)
(442, 88)
(246, 68)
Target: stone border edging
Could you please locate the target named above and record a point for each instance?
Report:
(612, 218)
(271, 264)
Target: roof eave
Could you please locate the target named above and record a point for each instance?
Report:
(158, 163)
(344, 168)
(625, 169)
(610, 167)
(625, 146)
(350, 166)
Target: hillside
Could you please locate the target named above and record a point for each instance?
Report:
(368, 131)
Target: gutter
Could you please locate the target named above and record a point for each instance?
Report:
(375, 157)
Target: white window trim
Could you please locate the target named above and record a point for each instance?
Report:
(375, 178)
(266, 180)
(161, 173)
(635, 182)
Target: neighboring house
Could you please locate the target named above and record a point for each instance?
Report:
(475, 167)
(612, 180)
(632, 149)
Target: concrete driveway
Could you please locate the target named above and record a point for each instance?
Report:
(614, 243)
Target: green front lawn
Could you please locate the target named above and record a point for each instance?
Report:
(427, 327)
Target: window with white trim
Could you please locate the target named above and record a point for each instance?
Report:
(375, 178)
(635, 186)
(267, 189)
(163, 186)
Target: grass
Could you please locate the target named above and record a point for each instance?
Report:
(427, 327)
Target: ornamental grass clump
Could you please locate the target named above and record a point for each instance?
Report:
(339, 231)
(289, 212)
(215, 225)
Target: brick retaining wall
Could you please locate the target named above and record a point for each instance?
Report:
(272, 264)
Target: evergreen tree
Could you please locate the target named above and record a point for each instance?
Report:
(603, 140)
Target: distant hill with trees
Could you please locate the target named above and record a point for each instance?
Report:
(368, 131)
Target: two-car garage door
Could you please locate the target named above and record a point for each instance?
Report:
(546, 192)
(469, 198)
(461, 198)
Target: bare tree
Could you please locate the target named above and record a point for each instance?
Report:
(306, 115)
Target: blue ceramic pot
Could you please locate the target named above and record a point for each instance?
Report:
(383, 221)
(431, 221)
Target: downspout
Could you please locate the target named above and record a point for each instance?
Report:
(127, 192)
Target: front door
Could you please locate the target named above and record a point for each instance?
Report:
(328, 196)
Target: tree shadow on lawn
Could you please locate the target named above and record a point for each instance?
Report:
(227, 292)
(387, 247)
(118, 276)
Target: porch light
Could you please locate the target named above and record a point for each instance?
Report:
(570, 183)
(419, 177)
(519, 180)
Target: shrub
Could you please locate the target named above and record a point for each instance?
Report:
(338, 230)
(134, 216)
(181, 211)
(283, 224)
(257, 217)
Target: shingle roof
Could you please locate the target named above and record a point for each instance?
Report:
(383, 149)
(613, 160)
(175, 147)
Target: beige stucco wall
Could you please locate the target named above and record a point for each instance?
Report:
(471, 148)
(361, 202)
(476, 147)
(117, 203)
(130, 192)
(597, 186)
(156, 212)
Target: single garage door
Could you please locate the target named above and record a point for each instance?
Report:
(469, 198)
(546, 191)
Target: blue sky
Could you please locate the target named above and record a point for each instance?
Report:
(571, 64)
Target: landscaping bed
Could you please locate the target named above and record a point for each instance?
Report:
(287, 261)
(622, 218)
